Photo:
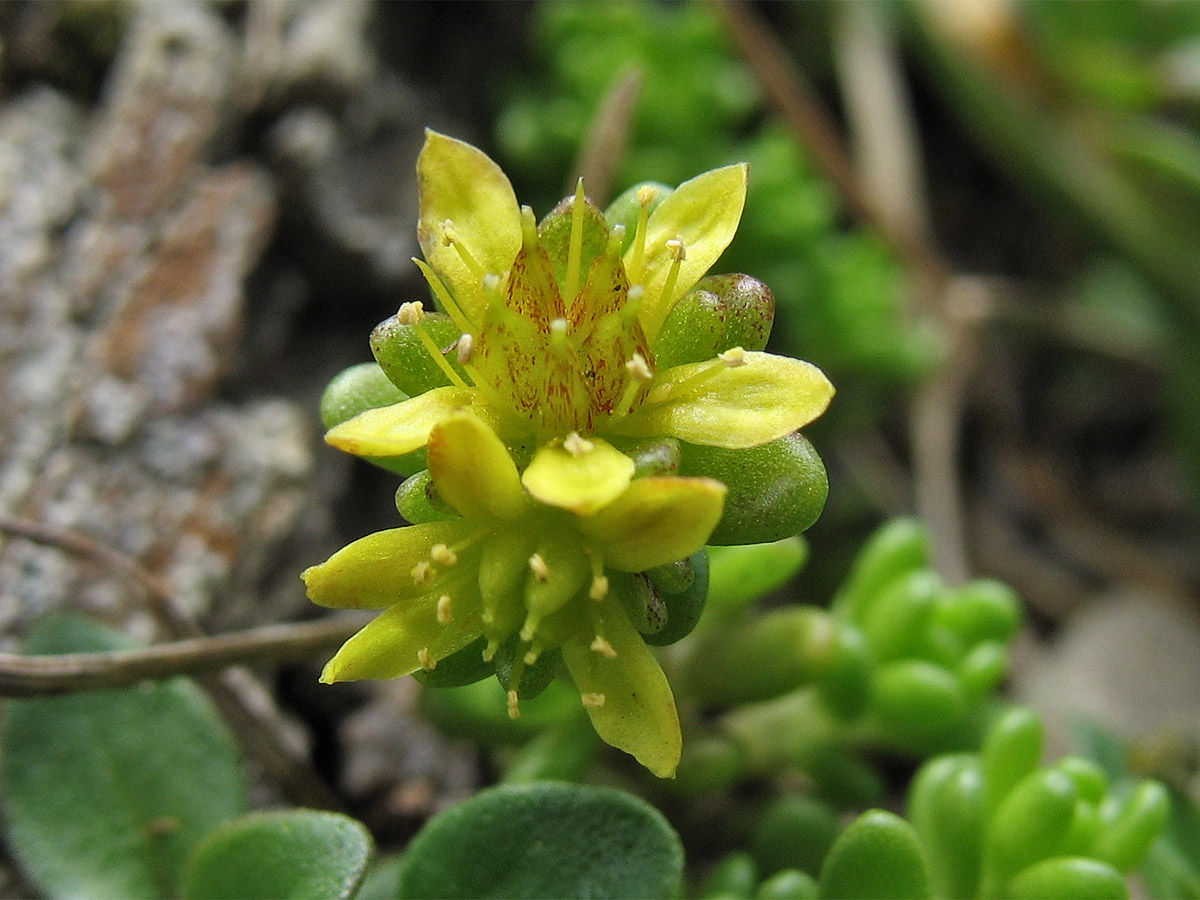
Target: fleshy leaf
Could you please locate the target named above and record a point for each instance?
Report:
(376, 571)
(394, 643)
(741, 406)
(582, 481)
(400, 428)
(458, 182)
(656, 521)
(545, 840)
(703, 213)
(295, 853)
(637, 713)
(473, 470)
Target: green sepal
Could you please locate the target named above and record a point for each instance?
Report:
(535, 678)
(640, 599)
(418, 500)
(947, 805)
(1068, 878)
(878, 855)
(357, 389)
(775, 490)
(625, 209)
(465, 666)
(404, 358)
(685, 607)
(897, 547)
(719, 313)
(654, 457)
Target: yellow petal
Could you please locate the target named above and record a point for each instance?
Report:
(703, 213)
(759, 401)
(473, 470)
(403, 427)
(459, 183)
(376, 571)
(581, 474)
(407, 637)
(637, 713)
(656, 521)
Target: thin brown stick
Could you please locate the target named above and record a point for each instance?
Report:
(607, 138)
(265, 735)
(31, 676)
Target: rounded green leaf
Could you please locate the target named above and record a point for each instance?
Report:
(897, 547)
(775, 490)
(918, 702)
(107, 792)
(298, 854)
(737, 576)
(1069, 878)
(1031, 824)
(733, 878)
(947, 807)
(878, 856)
(898, 617)
(789, 884)
(1011, 750)
(1131, 824)
(544, 840)
(793, 832)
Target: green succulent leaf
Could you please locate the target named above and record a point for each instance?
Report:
(106, 793)
(1069, 878)
(544, 840)
(298, 854)
(878, 856)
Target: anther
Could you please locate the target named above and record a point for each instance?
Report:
(733, 357)
(676, 249)
(558, 333)
(593, 701)
(599, 588)
(514, 705)
(411, 313)
(577, 446)
(445, 615)
(538, 567)
(440, 553)
(603, 647)
(639, 368)
(428, 663)
(466, 343)
(423, 572)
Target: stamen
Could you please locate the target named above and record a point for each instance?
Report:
(730, 359)
(428, 663)
(514, 705)
(593, 701)
(430, 347)
(599, 588)
(450, 238)
(532, 654)
(577, 446)
(603, 647)
(443, 296)
(529, 629)
(466, 343)
(575, 251)
(411, 313)
(645, 196)
(440, 553)
(538, 567)
(639, 369)
(445, 615)
(423, 572)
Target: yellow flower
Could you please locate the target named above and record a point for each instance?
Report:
(515, 566)
(558, 323)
